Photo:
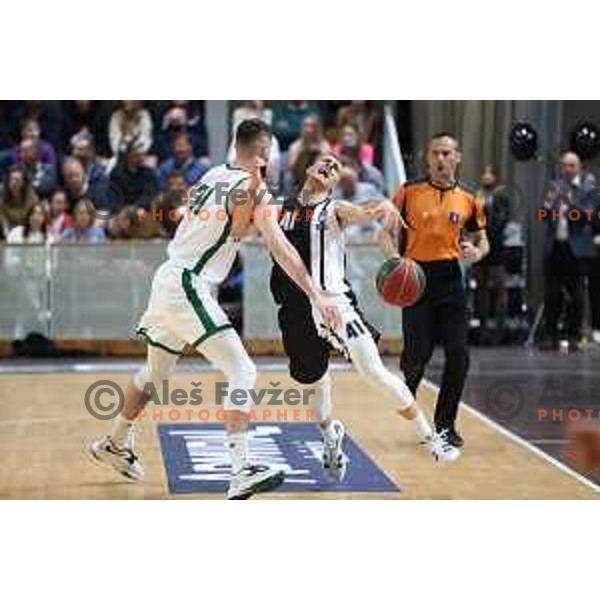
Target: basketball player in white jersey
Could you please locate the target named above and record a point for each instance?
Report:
(314, 223)
(183, 310)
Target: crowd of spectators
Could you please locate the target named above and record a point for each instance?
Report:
(79, 171)
(63, 165)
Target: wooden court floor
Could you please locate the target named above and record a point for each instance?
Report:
(44, 426)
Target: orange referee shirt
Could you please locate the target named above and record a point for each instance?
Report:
(435, 217)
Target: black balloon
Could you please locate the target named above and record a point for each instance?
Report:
(523, 141)
(585, 140)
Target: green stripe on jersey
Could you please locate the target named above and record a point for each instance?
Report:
(204, 337)
(142, 332)
(199, 308)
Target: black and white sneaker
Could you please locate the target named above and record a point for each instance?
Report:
(123, 460)
(335, 461)
(454, 438)
(441, 449)
(254, 479)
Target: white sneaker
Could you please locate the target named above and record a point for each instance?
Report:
(335, 461)
(254, 479)
(596, 336)
(123, 460)
(440, 449)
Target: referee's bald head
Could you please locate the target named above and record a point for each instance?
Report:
(445, 136)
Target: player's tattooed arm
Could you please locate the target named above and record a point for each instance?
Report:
(352, 214)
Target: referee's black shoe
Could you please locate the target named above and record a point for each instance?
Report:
(454, 438)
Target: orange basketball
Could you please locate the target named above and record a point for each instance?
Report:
(583, 449)
(400, 281)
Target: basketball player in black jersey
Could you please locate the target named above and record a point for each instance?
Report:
(314, 223)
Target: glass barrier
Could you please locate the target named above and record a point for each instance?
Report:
(100, 291)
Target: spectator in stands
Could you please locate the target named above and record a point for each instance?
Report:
(586, 244)
(183, 162)
(593, 268)
(288, 119)
(59, 218)
(138, 184)
(44, 150)
(490, 272)
(130, 123)
(350, 157)
(17, 199)
(182, 116)
(78, 186)
(363, 115)
(83, 150)
(6, 126)
(566, 243)
(305, 149)
(41, 175)
(47, 114)
(83, 230)
(349, 188)
(7, 141)
(251, 109)
(350, 139)
(129, 224)
(169, 205)
(255, 109)
(84, 117)
(34, 231)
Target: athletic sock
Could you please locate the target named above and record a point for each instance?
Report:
(322, 389)
(237, 443)
(422, 426)
(123, 432)
(327, 433)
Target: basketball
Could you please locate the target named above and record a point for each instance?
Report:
(583, 448)
(400, 282)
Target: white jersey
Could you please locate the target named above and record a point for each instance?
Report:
(317, 235)
(328, 249)
(202, 243)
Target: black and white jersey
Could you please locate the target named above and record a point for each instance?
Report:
(317, 235)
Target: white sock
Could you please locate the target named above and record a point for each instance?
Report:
(322, 390)
(122, 433)
(327, 433)
(237, 443)
(422, 426)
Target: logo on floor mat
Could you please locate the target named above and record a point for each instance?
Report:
(197, 462)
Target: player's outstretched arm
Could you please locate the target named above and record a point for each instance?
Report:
(352, 214)
(265, 219)
(388, 243)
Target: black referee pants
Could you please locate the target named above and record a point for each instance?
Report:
(440, 316)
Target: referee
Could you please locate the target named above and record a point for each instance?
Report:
(437, 210)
